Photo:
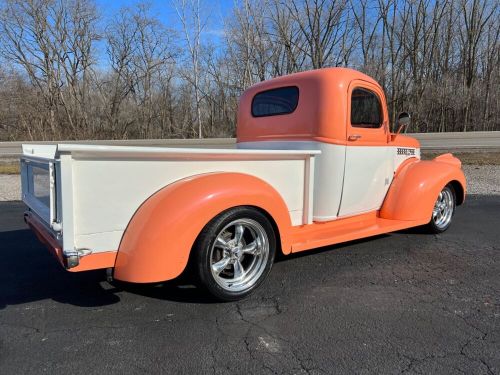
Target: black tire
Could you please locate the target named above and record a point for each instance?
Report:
(438, 223)
(218, 244)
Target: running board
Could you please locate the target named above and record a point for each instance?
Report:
(343, 230)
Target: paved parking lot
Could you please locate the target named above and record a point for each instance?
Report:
(401, 303)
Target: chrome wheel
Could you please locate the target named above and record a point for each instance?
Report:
(239, 255)
(443, 209)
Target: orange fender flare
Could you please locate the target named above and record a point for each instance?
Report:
(416, 187)
(158, 240)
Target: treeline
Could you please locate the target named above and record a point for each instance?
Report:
(68, 72)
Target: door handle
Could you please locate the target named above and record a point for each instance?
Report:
(354, 137)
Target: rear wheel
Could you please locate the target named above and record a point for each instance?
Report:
(235, 252)
(443, 210)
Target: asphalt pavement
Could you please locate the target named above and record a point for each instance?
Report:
(407, 302)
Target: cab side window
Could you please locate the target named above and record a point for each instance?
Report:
(366, 111)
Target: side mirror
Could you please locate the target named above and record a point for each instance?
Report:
(403, 121)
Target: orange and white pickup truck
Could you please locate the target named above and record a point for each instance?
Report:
(315, 164)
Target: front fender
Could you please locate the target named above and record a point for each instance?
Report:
(158, 240)
(416, 187)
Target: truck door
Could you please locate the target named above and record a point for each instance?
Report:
(368, 163)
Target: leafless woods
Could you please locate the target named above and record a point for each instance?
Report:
(68, 72)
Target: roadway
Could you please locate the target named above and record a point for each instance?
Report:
(471, 141)
(406, 302)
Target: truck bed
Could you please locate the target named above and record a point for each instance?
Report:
(86, 195)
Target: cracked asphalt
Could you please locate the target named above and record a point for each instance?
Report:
(408, 302)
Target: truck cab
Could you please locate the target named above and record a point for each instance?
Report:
(315, 164)
(342, 113)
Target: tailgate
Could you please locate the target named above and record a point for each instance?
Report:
(38, 181)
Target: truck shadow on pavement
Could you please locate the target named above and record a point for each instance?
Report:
(28, 273)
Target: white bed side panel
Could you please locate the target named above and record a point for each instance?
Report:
(328, 185)
(328, 172)
(108, 192)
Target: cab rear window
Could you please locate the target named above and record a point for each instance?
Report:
(281, 101)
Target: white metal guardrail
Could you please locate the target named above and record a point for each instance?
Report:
(456, 142)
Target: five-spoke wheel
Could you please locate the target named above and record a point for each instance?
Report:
(235, 252)
(443, 210)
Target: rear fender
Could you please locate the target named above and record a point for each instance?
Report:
(158, 240)
(416, 187)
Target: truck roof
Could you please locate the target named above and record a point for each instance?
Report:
(319, 115)
(335, 76)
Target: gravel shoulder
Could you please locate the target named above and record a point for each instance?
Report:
(481, 179)
(10, 187)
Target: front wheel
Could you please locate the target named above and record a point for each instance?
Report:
(443, 210)
(235, 252)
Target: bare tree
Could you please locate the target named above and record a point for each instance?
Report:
(288, 35)
(51, 41)
(476, 15)
(141, 54)
(189, 12)
(367, 27)
(323, 26)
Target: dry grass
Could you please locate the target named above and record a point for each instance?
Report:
(470, 158)
(9, 167)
